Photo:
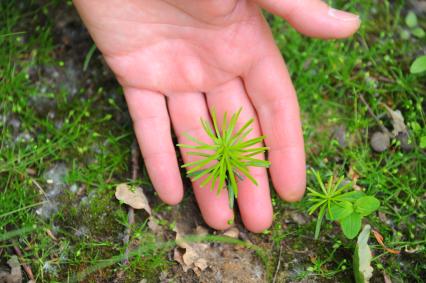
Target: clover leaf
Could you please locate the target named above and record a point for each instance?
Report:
(366, 205)
(340, 210)
(351, 225)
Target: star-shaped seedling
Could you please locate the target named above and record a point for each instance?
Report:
(228, 156)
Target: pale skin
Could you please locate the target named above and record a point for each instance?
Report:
(177, 59)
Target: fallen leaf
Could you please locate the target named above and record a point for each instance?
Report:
(190, 256)
(133, 197)
(15, 275)
(362, 257)
(178, 256)
(379, 239)
(153, 226)
(194, 255)
(201, 263)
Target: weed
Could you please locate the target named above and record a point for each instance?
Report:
(347, 208)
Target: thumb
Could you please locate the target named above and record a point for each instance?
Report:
(314, 17)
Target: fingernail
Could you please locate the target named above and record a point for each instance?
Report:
(342, 15)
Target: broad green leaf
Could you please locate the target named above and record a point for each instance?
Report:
(351, 196)
(419, 65)
(362, 257)
(340, 210)
(351, 225)
(366, 205)
(418, 32)
(411, 19)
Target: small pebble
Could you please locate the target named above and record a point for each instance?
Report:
(339, 134)
(380, 141)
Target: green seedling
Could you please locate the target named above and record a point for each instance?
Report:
(346, 208)
(227, 157)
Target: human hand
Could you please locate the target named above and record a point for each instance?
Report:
(176, 59)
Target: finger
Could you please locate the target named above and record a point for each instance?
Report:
(314, 17)
(205, 10)
(152, 127)
(271, 91)
(185, 111)
(254, 201)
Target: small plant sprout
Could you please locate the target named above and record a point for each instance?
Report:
(347, 208)
(228, 156)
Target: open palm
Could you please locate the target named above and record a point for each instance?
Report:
(176, 59)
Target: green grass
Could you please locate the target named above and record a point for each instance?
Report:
(91, 140)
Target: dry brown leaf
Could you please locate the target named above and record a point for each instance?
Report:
(201, 263)
(153, 226)
(379, 239)
(194, 256)
(190, 256)
(178, 256)
(132, 197)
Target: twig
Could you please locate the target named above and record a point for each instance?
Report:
(135, 160)
(50, 234)
(131, 211)
(278, 264)
(25, 266)
(39, 187)
(383, 128)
